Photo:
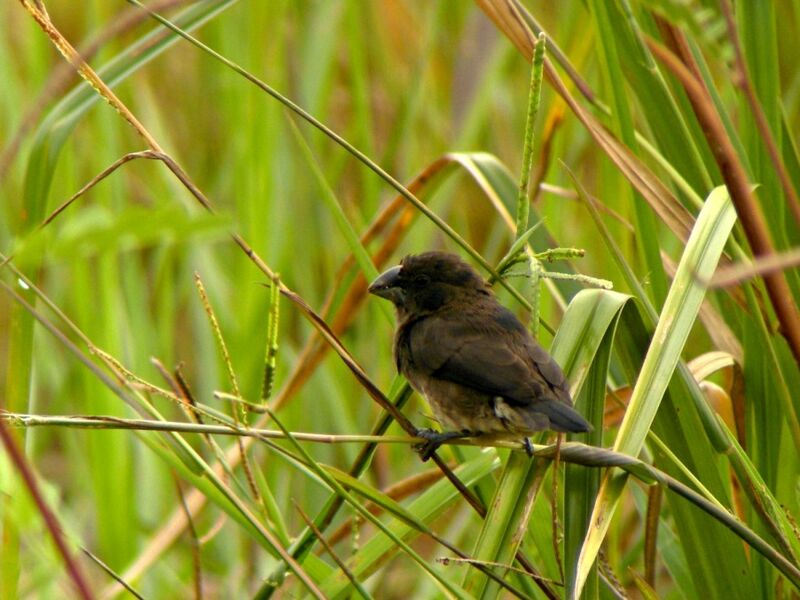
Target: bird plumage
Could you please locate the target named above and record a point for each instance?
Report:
(475, 363)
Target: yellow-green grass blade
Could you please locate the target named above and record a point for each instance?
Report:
(699, 260)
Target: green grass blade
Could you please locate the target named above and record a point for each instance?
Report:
(677, 317)
(428, 506)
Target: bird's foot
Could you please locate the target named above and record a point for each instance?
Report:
(434, 439)
(526, 443)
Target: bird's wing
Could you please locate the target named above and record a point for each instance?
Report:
(494, 355)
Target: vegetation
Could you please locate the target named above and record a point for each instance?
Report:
(198, 397)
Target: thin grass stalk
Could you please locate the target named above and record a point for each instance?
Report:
(48, 516)
(271, 354)
(334, 485)
(332, 553)
(534, 98)
(239, 412)
(571, 452)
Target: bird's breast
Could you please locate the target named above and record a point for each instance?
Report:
(458, 407)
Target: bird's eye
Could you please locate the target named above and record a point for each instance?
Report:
(421, 280)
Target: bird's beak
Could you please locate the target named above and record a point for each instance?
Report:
(386, 286)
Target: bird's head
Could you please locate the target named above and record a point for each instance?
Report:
(423, 283)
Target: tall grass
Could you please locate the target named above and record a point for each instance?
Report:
(278, 154)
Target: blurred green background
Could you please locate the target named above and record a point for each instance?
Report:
(407, 83)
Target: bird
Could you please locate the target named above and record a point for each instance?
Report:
(476, 364)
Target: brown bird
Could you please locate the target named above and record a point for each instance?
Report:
(476, 364)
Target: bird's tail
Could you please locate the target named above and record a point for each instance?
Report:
(563, 417)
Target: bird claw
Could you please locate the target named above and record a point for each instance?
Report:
(434, 439)
(427, 449)
(526, 444)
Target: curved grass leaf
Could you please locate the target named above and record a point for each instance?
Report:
(699, 260)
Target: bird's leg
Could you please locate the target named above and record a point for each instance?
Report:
(434, 439)
(526, 443)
